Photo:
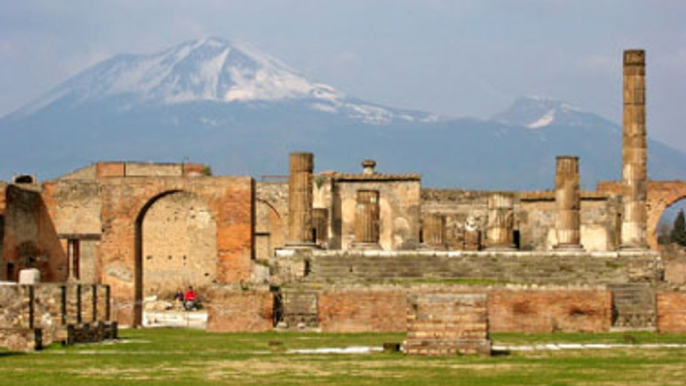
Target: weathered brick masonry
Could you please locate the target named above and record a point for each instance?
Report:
(671, 312)
(446, 324)
(382, 308)
(233, 309)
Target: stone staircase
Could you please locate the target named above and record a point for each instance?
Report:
(633, 307)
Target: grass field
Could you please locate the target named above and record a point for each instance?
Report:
(191, 357)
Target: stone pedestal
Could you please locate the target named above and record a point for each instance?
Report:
(447, 324)
(300, 230)
(500, 231)
(568, 201)
(433, 231)
(634, 153)
(367, 220)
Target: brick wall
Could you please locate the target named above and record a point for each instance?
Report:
(362, 311)
(125, 201)
(510, 310)
(550, 311)
(671, 312)
(30, 239)
(231, 309)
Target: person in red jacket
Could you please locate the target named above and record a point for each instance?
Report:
(190, 299)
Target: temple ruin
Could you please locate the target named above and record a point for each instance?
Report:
(347, 252)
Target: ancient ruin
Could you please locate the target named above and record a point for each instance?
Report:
(347, 252)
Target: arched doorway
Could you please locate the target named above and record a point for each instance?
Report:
(666, 224)
(176, 246)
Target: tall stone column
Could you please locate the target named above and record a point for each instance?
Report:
(499, 234)
(367, 220)
(300, 201)
(634, 152)
(568, 200)
(433, 231)
(320, 217)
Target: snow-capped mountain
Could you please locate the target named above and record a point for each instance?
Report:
(242, 112)
(538, 112)
(208, 70)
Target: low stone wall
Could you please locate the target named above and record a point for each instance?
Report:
(447, 324)
(552, 310)
(671, 312)
(52, 310)
(21, 339)
(382, 309)
(561, 268)
(232, 309)
(362, 311)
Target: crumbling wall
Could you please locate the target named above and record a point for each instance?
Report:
(399, 205)
(535, 215)
(74, 207)
(271, 218)
(125, 202)
(30, 239)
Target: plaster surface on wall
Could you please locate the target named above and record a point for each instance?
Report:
(179, 245)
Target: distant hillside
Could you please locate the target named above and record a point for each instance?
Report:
(242, 112)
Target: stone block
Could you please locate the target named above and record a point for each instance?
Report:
(29, 276)
(21, 339)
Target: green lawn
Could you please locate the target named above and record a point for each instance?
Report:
(191, 357)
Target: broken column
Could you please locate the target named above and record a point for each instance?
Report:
(568, 201)
(499, 234)
(433, 231)
(634, 152)
(320, 224)
(367, 220)
(300, 201)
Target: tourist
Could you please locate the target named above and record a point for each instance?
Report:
(190, 299)
(178, 299)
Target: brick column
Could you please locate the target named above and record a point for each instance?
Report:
(320, 223)
(499, 234)
(367, 219)
(300, 201)
(433, 231)
(634, 152)
(568, 201)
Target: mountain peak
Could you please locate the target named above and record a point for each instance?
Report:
(537, 112)
(213, 70)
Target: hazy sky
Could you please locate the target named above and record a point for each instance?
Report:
(457, 58)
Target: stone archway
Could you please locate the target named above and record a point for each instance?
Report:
(661, 195)
(176, 246)
(125, 202)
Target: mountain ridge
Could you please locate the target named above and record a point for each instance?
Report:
(247, 125)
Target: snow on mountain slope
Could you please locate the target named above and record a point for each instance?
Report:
(209, 70)
(538, 113)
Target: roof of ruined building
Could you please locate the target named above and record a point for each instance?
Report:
(376, 177)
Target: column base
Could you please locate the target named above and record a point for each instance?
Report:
(297, 245)
(501, 248)
(633, 248)
(433, 247)
(569, 247)
(366, 246)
